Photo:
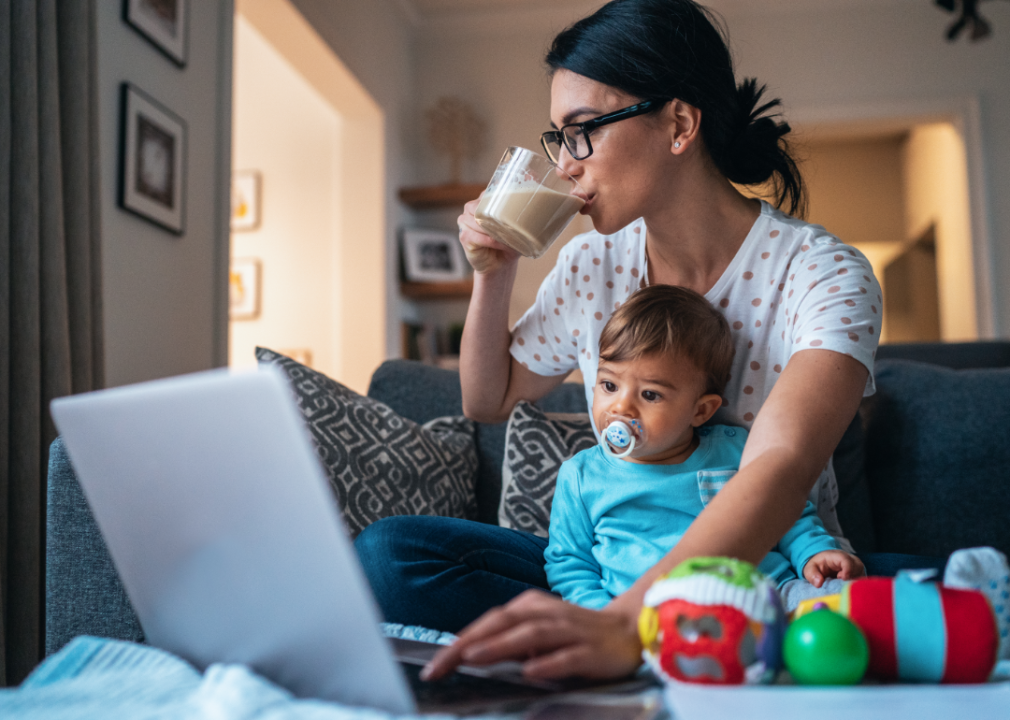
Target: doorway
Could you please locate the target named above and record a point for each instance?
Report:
(900, 195)
(308, 237)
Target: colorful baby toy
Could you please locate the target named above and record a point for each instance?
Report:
(713, 621)
(721, 621)
(918, 630)
(825, 648)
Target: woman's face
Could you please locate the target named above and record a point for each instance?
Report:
(627, 174)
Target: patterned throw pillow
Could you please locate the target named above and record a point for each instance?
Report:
(379, 463)
(536, 443)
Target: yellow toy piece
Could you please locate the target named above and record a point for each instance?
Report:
(648, 627)
(833, 602)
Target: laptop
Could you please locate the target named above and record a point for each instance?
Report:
(219, 519)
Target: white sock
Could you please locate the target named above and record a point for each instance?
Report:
(985, 569)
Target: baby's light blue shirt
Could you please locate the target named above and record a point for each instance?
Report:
(612, 520)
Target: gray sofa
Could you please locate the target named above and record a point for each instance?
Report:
(924, 468)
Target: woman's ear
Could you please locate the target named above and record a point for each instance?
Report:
(706, 407)
(684, 123)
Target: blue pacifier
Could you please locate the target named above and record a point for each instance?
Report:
(621, 436)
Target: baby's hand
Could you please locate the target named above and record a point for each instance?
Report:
(832, 564)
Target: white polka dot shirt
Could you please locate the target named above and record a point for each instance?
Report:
(792, 286)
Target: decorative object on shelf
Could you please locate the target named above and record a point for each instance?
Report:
(433, 256)
(163, 23)
(153, 151)
(419, 342)
(455, 130)
(968, 17)
(245, 200)
(244, 289)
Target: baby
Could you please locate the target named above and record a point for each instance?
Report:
(619, 507)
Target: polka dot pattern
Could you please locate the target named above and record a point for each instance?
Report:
(791, 287)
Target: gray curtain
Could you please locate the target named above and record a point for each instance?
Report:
(50, 290)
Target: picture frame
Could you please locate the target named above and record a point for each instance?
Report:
(433, 256)
(163, 23)
(152, 160)
(244, 283)
(246, 188)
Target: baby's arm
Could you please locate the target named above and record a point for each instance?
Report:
(814, 553)
(572, 571)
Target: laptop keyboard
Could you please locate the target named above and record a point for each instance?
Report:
(462, 694)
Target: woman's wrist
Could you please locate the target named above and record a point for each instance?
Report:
(627, 606)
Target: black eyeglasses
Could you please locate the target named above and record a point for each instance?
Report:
(575, 137)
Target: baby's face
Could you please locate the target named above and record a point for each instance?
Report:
(664, 393)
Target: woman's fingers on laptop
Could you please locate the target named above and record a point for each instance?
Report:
(490, 624)
(555, 638)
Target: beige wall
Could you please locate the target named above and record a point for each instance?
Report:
(165, 296)
(374, 40)
(856, 188)
(285, 130)
(936, 192)
(338, 265)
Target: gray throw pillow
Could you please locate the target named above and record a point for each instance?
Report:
(381, 464)
(536, 443)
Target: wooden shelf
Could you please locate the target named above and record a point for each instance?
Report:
(437, 290)
(440, 196)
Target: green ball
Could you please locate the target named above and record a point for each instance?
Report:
(825, 648)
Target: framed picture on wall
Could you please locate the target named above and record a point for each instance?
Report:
(244, 289)
(245, 200)
(433, 256)
(163, 23)
(152, 160)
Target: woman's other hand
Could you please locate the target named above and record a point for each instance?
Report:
(554, 638)
(832, 564)
(484, 253)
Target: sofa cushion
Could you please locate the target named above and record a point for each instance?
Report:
(380, 463)
(938, 458)
(536, 443)
(422, 392)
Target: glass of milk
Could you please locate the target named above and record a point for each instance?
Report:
(528, 202)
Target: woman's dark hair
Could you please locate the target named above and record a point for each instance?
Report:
(666, 49)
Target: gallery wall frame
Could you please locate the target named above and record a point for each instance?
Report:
(244, 286)
(152, 166)
(246, 195)
(433, 256)
(163, 23)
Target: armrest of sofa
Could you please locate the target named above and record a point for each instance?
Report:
(84, 595)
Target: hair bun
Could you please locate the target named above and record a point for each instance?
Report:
(758, 151)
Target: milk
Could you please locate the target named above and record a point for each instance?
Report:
(527, 218)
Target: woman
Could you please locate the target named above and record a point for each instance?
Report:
(650, 121)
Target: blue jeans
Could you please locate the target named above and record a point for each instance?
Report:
(444, 573)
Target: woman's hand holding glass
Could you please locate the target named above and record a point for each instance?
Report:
(484, 253)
